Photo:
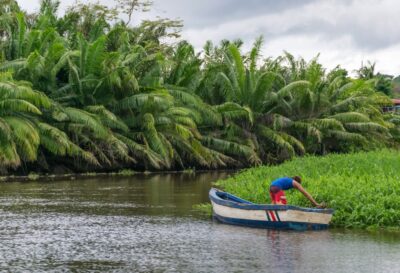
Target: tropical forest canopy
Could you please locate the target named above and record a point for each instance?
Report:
(90, 91)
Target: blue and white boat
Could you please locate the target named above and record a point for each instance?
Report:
(233, 210)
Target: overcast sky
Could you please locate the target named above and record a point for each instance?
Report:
(345, 32)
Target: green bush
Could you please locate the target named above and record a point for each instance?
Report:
(363, 188)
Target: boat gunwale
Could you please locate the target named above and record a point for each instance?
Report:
(246, 205)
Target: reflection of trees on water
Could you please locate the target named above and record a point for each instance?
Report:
(180, 191)
(141, 194)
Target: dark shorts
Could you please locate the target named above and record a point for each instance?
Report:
(277, 196)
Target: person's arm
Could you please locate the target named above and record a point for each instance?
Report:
(298, 186)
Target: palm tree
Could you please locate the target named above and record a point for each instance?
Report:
(334, 112)
(23, 133)
(382, 83)
(248, 97)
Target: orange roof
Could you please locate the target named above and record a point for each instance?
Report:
(396, 101)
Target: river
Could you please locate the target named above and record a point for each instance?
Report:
(146, 223)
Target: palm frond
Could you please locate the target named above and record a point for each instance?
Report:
(350, 117)
(25, 136)
(287, 89)
(160, 99)
(233, 111)
(346, 136)
(238, 65)
(365, 127)
(309, 129)
(18, 105)
(349, 103)
(54, 140)
(108, 118)
(297, 144)
(143, 153)
(14, 65)
(327, 123)
(233, 149)
(255, 53)
(89, 120)
(276, 138)
(154, 139)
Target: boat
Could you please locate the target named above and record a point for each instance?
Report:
(230, 209)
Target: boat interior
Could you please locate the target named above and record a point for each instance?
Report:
(230, 197)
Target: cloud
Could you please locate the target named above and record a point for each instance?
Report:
(344, 32)
(33, 5)
(198, 14)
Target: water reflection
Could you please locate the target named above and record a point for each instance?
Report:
(146, 224)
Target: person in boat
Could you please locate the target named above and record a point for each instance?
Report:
(278, 186)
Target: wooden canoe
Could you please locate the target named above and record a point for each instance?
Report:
(230, 209)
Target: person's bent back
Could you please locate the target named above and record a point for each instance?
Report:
(278, 186)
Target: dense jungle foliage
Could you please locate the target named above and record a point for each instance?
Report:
(88, 91)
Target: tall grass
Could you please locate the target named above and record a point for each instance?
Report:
(363, 188)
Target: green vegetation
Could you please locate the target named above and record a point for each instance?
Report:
(88, 92)
(396, 87)
(204, 208)
(363, 188)
(383, 83)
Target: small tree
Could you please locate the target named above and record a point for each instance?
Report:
(130, 6)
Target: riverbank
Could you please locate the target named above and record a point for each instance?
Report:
(73, 176)
(363, 188)
(57, 177)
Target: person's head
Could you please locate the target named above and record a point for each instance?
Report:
(297, 178)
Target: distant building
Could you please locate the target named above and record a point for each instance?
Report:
(393, 108)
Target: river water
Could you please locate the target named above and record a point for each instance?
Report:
(146, 223)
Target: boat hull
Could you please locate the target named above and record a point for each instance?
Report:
(232, 210)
